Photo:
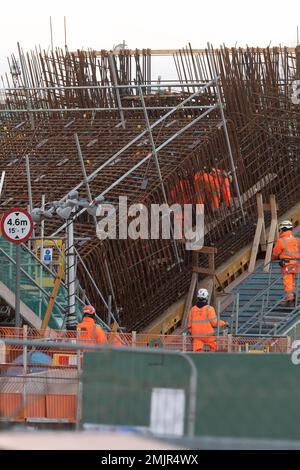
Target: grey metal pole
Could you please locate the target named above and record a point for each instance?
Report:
(233, 169)
(115, 80)
(18, 279)
(2, 181)
(92, 110)
(85, 178)
(51, 34)
(91, 278)
(70, 265)
(41, 257)
(29, 183)
(193, 396)
(109, 310)
(155, 154)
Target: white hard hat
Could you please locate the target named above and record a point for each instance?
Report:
(202, 294)
(286, 224)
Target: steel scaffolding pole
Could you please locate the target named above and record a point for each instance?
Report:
(233, 169)
(71, 275)
(155, 154)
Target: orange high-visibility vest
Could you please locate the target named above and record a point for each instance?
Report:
(211, 187)
(223, 183)
(287, 247)
(90, 332)
(225, 190)
(201, 324)
(202, 321)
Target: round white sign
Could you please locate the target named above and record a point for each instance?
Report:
(16, 225)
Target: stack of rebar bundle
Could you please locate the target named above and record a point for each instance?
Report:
(50, 98)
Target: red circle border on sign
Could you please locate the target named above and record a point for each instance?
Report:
(6, 214)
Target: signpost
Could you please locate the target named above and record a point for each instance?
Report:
(17, 227)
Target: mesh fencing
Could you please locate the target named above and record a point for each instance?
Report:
(141, 380)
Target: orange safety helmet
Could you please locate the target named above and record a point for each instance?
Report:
(88, 310)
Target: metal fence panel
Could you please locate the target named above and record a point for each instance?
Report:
(238, 395)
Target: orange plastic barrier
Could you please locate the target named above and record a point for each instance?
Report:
(54, 407)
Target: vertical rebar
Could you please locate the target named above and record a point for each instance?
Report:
(219, 98)
(26, 86)
(155, 154)
(115, 82)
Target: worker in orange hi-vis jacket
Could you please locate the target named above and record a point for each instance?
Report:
(202, 322)
(89, 331)
(207, 186)
(201, 179)
(223, 182)
(286, 249)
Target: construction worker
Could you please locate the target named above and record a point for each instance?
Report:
(286, 249)
(207, 185)
(201, 179)
(90, 332)
(201, 323)
(223, 182)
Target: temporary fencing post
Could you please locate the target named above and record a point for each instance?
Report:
(133, 339)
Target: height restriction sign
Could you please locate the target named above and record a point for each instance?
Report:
(16, 225)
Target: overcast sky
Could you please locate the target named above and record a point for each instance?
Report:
(157, 24)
